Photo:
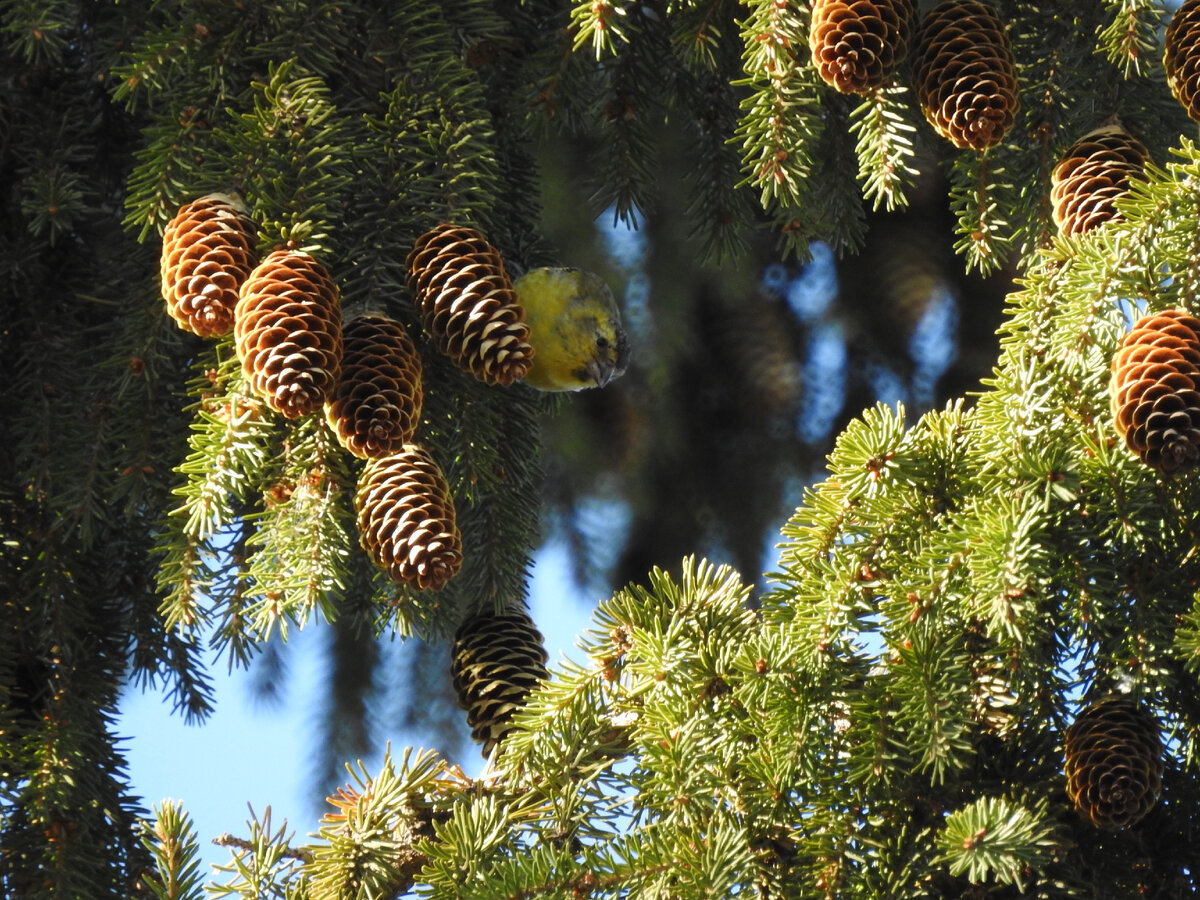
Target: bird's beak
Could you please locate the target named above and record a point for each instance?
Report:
(604, 368)
(601, 371)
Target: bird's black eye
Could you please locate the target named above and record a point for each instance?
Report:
(602, 343)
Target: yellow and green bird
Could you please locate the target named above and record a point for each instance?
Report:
(574, 328)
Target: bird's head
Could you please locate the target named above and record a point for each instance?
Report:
(575, 329)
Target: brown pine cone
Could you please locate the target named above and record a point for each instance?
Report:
(1114, 763)
(498, 659)
(966, 77)
(467, 303)
(376, 404)
(406, 518)
(1182, 56)
(1094, 172)
(857, 44)
(288, 327)
(208, 251)
(1155, 390)
(992, 697)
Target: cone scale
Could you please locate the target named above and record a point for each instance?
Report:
(406, 519)
(1181, 57)
(1113, 763)
(498, 659)
(288, 326)
(857, 44)
(1155, 390)
(207, 253)
(467, 303)
(966, 77)
(1095, 171)
(375, 406)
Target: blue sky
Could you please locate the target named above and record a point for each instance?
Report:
(251, 753)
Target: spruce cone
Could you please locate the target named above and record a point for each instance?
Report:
(1155, 390)
(376, 404)
(966, 78)
(1114, 763)
(1182, 56)
(857, 44)
(406, 519)
(468, 305)
(991, 698)
(208, 250)
(1094, 172)
(289, 332)
(498, 660)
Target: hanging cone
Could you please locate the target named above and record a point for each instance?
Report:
(1182, 56)
(208, 251)
(468, 305)
(406, 519)
(1094, 172)
(498, 660)
(376, 404)
(966, 78)
(1114, 763)
(289, 332)
(1155, 390)
(992, 698)
(857, 44)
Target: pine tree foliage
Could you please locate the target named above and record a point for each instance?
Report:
(1130, 37)
(171, 839)
(828, 745)
(294, 153)
(885, 149)
(885, 720)
(1001, 841)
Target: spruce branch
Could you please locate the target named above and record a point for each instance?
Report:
(231, 600)
(697, 34)
(1187, 639)
(883, 125)
(836, 213)
(203, 543)
(1006, 569)
(171, 839)
(41, 31)
(719, 208)
(795, 237)
(465, 144)
(995, 839)
(931, 682)
(299, 551)
(602, 22)
(157, 63)
(230, 438)
(178, 154)
(780, 120)
(1130, 38)
(239, 843)
(292, 162)
(563, 80)
(375, 837)
(191, 689)
(984, 235)
(588, 711)
(625, 159)
(183, 575)
(53, 200)
(263, 865)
